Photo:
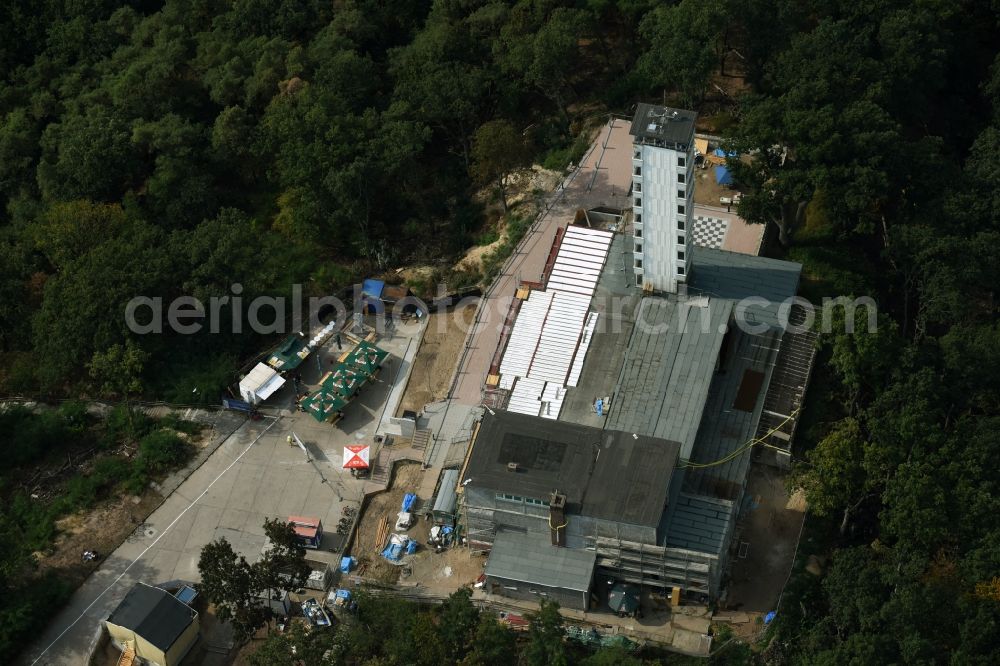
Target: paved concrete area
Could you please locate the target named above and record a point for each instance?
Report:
(741, 236)
(253, 474)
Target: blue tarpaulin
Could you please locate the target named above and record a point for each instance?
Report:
(371, 294)
(719, 152)
(346, 563)
(408, 500)
(411, 547)
(238, 405)
(722, 176)
(393, 551)
(372, 288)
(344, 594)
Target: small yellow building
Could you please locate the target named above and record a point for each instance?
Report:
(159, 627)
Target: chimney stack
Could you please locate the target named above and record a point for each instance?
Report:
(557, 518)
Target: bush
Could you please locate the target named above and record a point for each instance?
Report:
(161, 451)
(557, 159)
(125, 425)
(200, 383)
(488, 237)
(75, 415)
(109, 471)
(492, 261)
(174, 422)
(35, 521)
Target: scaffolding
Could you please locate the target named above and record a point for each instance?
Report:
(786, 392)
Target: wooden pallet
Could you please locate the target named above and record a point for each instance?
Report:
(381, 534)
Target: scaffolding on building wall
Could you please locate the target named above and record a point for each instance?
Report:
(657, 566)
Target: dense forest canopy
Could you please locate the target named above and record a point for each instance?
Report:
(178, 147)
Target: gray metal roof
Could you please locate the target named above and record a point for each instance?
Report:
(699, 523)
(736, 276)
(155, 614)
(668, 369)
(605, 474)
(446, 498)
(725, 429)
(531, 559)
(663, 126)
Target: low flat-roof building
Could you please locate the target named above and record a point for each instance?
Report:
(446, 499)
(155, 625)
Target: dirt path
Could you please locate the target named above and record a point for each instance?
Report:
(445, 572)
(435, 361)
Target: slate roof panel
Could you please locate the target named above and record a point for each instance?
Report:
(699, 523)
(530, 558)
(668, 369)
(154, 614)
(735, 276)
(604, 474)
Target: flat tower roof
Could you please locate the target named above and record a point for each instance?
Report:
(663, 126)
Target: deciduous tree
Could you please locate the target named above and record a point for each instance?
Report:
(498, 150)
(231, 584)
(545, 636)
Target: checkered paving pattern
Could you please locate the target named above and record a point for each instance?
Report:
(708, 231)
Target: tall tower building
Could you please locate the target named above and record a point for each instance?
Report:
(662, 195)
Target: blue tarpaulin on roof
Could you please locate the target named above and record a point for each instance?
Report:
(346, 563)
(411, 547)
(408, 500)
(344, 594)
(722, 176)
(719, 152)
(394, 551)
